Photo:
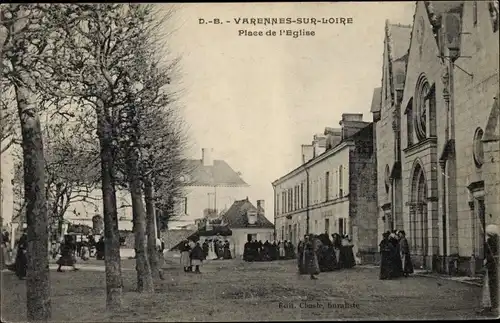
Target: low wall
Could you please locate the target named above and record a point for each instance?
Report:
(170, 237)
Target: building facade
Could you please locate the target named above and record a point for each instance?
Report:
(211, 186)
(333, 192)
(386, 109)
(446, 103)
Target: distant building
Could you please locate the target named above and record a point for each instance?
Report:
(210, 186)
(335, 191)
(247, 222)
(240, 223)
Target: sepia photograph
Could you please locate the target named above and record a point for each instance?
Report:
(248, 162)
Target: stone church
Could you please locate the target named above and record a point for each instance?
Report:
(436, 116)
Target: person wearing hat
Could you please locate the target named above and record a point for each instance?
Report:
(491, 266)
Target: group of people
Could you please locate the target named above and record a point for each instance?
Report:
(86, 248)
(268, 251)
(193, 253)
(216, 249)
(67, 250)
(395, 260)
(319, 253)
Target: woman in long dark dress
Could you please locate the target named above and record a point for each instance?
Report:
(404, 250)
(397, 265)
(197, 257)
(227, 250)
(205, 248)
(327, 261)
(309, 257)
(300, 256)
(386, 250)
(21, 260)
(347, 259)
(68, 250)
(99, 249)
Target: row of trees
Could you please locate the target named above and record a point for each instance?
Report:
(97, 73)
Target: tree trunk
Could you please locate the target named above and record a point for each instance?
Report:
(112, 258)
(144, 277)
(153, 254)
(38, 278)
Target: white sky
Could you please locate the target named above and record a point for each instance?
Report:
(255, 100)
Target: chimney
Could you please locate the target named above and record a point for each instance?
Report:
(261, 205)
(333, 137)
(206, 156)
(352, 117)
(319, 145)
(307, 153)
(252, 217)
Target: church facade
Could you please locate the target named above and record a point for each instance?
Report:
(443, 185)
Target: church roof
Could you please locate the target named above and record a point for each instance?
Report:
(376, 100)
(398, 37)
(220, 173)
(236, 216)
(492, 132)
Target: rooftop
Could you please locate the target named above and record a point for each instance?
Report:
(399, 39)
(219, 173)
(236, 216)
(376, 100)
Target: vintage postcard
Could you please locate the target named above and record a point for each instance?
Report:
(249, 161)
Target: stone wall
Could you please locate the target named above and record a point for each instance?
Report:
(363, 196)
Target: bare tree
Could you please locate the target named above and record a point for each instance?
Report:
(8, 130)
(71, 169)
(99, 62)
(30, 40)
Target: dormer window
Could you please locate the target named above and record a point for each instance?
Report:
(252, 217)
